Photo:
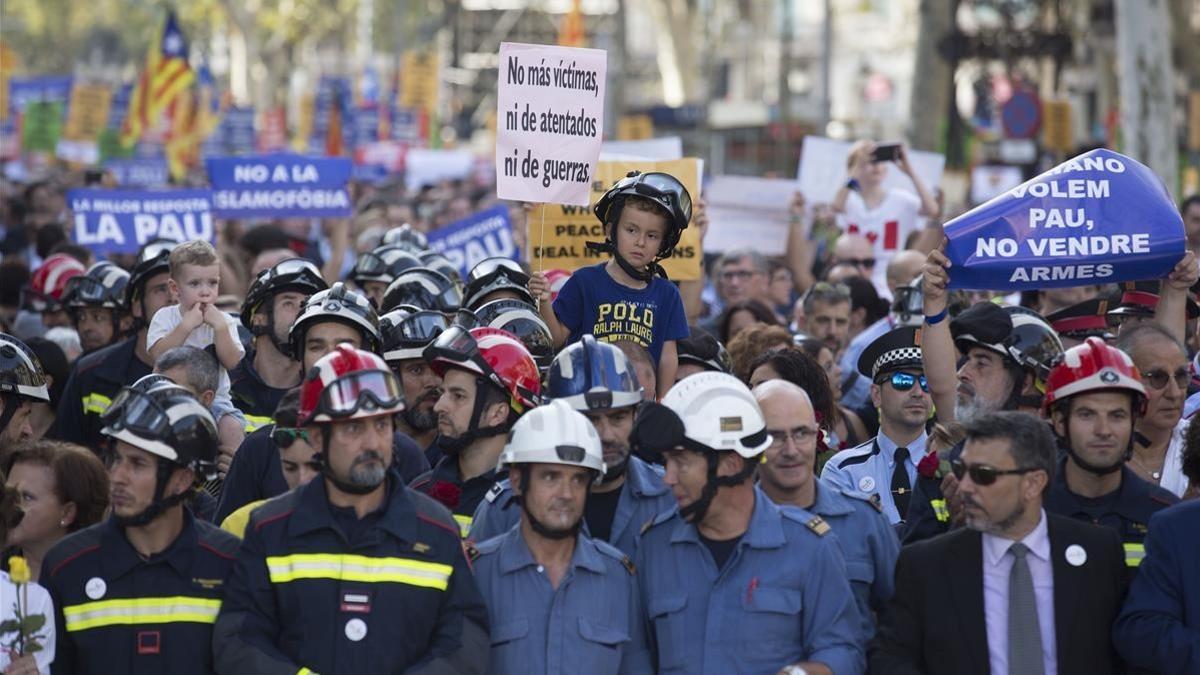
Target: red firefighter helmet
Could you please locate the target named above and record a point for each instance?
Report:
(349, 383)
(50, 280)
(1094, 366)
(493, 354)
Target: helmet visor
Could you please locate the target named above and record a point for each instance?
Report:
(136, 412)
(363, 390)
(87, 291)
(457, 345)
(466, 319)
(423, 326)
(155, 249)
(369, 264)
(665, 189)
(492, 267)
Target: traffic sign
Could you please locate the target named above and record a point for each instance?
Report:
(1021, 115)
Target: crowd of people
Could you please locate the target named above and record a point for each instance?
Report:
(316, 448)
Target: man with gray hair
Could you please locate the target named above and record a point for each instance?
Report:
(1157, 455)
(193, 369)
(741, 274)
(1031, 591)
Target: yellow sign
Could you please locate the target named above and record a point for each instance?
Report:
(9, 64)
(635, 128)
(568, 228)
(87, 114)
(304, 122)
(1057, 133)
(419, 80)
(1193, 126)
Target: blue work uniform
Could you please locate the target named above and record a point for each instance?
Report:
(317, 589)
(590, 625)
(869, 545)
(782, 597)
(643, 496)
(868, 469)
(118, 612)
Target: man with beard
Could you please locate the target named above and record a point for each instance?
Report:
(598, 380)
(489, 379)
(353, 572)
(140, 591)
(1024, 590)
(886, 466)
(730, 582)
(405, 335)
(559, 600)
(272, 304)
(1095, 398)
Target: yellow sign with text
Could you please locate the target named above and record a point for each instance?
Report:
(418, 80)
(87, 114)
(567, 228)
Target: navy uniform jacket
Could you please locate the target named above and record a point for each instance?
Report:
(257, 474)
(120, 613)
(1159, 627)
(396, 596)
(643, 496)
(590, 625)
(469, 495)
(782, 597)
(94, 382)
(256, 399)
(869, 545)
(1127, 510)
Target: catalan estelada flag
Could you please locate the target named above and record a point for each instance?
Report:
(165, 76)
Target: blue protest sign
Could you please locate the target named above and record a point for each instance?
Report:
(42, 88)
(268, 186)
(138, 172)
(487, 234)
(122, 221)
(1098, 218)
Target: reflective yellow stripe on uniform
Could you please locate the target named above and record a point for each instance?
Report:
(361, 568)
(305, 671)
(137, 611)
(256, 421)
(464, 524)
(96, 403)
(940, 510)
(1134, 554)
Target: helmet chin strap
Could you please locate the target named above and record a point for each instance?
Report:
(1091, 468)
(694, 513)
(538, 526)
(269, 330)
(160, 503)
(614, 472)
(451, 446)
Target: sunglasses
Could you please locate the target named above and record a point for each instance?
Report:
(982, 474)
(284, 437)
(902, 381)
(1157, 379)
(867, 263)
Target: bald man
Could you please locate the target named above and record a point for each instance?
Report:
(903, 268)
(788, 477)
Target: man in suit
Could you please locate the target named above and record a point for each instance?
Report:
(1014, 591)
(1159, 627)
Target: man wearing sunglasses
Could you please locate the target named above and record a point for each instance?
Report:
(352, 573)
(1025, 591)
(886, 466)
(1158, 454)
(1095, 398)
(95, 301)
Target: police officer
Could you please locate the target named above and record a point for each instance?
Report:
(99, 376)
(488, 381)
(720, 577)
(95, 301)
(596, 379)
(139, 592)
(21, 382)
(868, 541)
(353, 572)
(886, 466)
(405, 335)
(271, 367)
(329, 317)
(558, 601)
(1094, 398)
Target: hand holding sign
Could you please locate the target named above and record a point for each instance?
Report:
(1098, 218)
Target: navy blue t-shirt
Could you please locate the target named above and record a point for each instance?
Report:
(592, 302)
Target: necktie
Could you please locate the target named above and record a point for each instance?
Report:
(901, 488)
(1024, 635)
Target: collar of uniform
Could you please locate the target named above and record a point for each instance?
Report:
(643, 479)
(120, 557)
(246, 367)
(515, 554)
(765, 529)
(447, 470)
(117, 360)
(916, 449)
(829, 500)
(313, 513)
(1129, 499)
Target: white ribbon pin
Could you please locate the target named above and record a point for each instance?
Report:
(356, 629)
(1075, 555)
(95, 588)
(866, 484)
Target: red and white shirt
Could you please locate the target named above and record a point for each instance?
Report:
(887, 227)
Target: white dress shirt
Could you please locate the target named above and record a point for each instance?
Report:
(997, 565)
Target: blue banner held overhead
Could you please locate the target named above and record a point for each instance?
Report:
(279, 185)
(1098, 218)
(41, 88)
(122, 221)
(487, 234)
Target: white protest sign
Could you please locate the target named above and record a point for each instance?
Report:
(822, 169)
(428, 167)
(653, 149)
(746, 211)
(549, 122)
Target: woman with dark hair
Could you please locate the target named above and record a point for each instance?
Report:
(741, 315)
(62, 488)
(866, 307)
(32, 598)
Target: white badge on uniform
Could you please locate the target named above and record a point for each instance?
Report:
(1076, 555)
(95, 588)
(356, 629)
(866, 484)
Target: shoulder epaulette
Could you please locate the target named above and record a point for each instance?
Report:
(495, 491)
(471, 550)
(876, 501)
(858, 458)
(433, 512)
(487, 546)
(818, 526)
(629, 567)
(221, 542)
(273, 509)
(660, 518)
(872, 499)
